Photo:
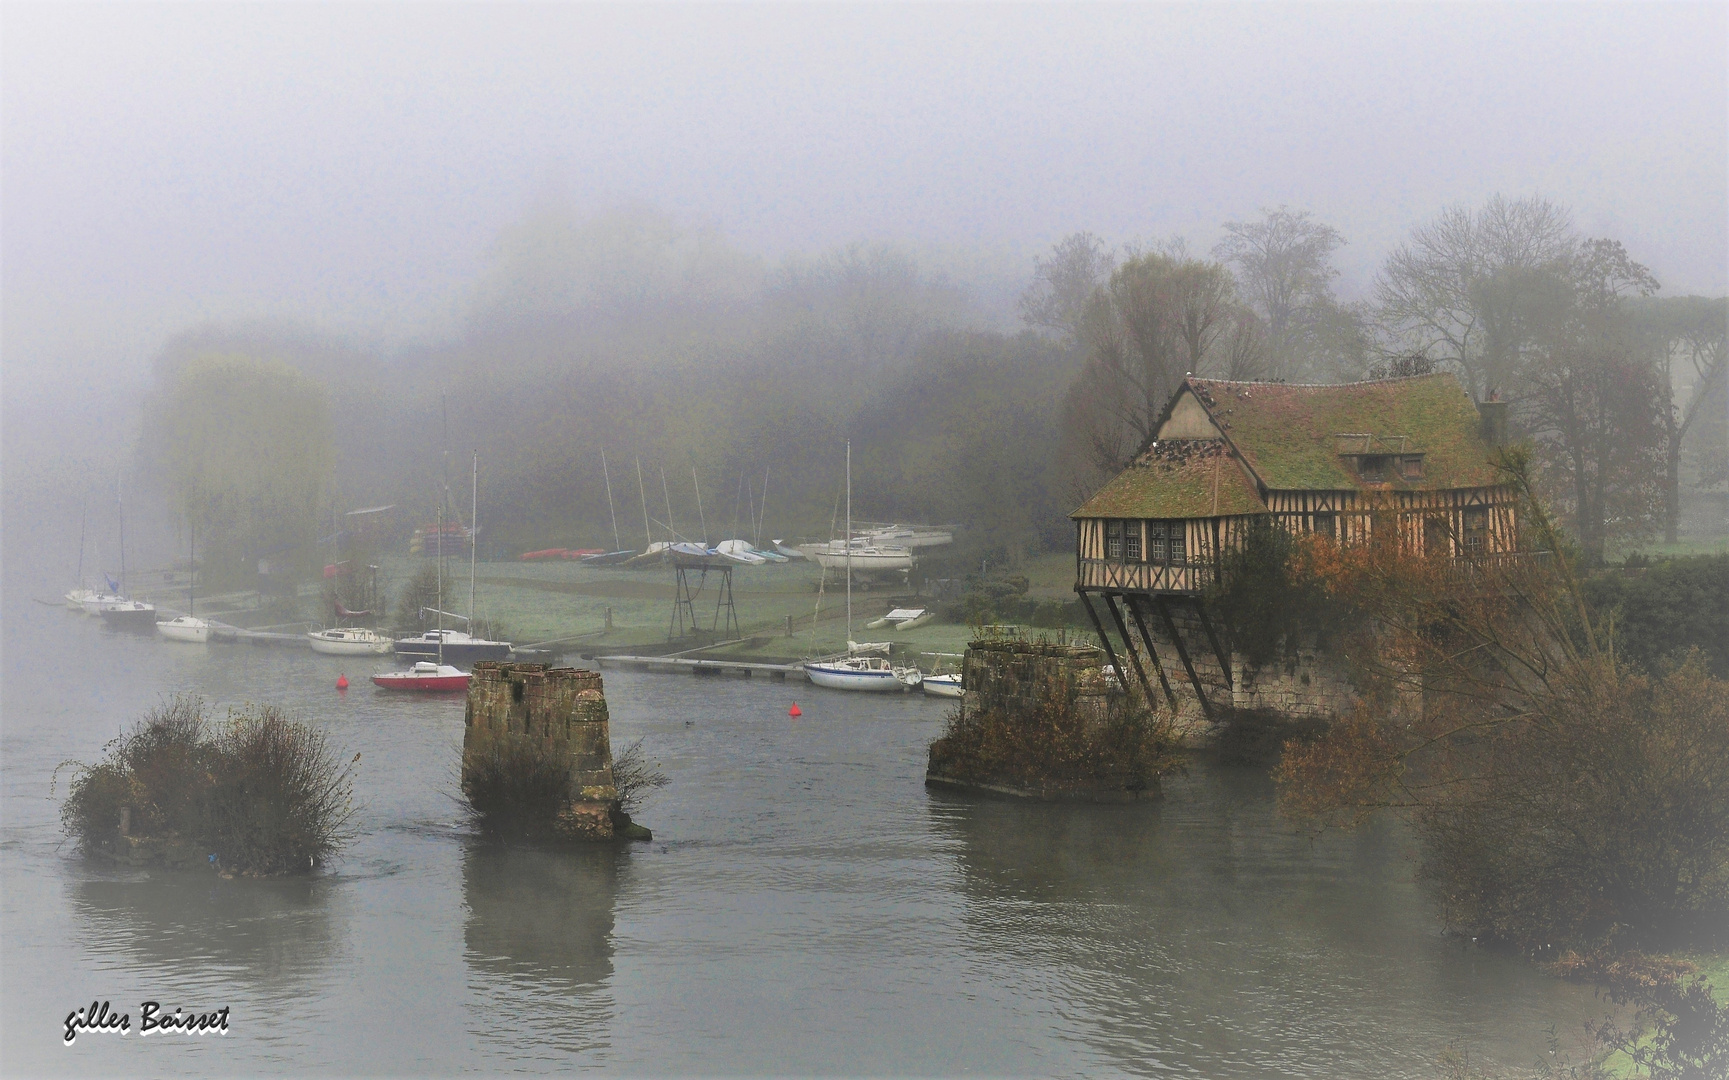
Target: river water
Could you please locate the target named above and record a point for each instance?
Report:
(806, 906)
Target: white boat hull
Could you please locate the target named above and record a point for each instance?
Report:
(93, 603)
(867, 561)
(946, 686)
(843, 679)
(367, 644)
(868, 673)
(185, 628)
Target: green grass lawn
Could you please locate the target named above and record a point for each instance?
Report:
(1714, 545)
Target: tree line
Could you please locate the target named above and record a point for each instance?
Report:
(665, 347)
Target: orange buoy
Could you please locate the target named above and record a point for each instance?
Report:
(342, 682)
(794, 711)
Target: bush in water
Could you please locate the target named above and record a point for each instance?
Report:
(264, 794)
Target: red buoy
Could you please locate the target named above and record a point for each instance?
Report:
(794, 711)
(342, 682)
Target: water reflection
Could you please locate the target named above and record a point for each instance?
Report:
(539, 932)
(1205, 935)
(273, 933)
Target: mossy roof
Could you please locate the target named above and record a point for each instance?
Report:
(1288, 434)
(1178, 478)
(1288, 438)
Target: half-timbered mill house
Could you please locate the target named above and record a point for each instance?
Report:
(1345, 461)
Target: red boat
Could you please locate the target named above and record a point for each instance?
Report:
(426, 676)
(545, 553)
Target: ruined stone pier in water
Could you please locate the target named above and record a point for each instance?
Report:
(540, 736)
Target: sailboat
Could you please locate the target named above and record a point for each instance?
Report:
(429, 675)
(119, 610)
(83, 594)
(856, 670)
(187, 627)
(619, 553)
(458, 646)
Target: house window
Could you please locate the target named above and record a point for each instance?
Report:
(1114, 540)
(1165, 541)
(1411, 467)
(1476, 530)
(1374, 469)
(1327, 525)
(1131, 541)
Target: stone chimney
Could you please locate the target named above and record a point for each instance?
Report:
(1493, 415)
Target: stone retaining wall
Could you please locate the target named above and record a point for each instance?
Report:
(1307, 685)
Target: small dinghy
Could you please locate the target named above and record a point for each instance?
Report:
(608, 558)
(948, 686)
(426, 676)
(740, 552)
(902, 619)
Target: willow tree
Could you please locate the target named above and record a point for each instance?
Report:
(244, 449)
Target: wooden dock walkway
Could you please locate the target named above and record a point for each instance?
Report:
(697, 666)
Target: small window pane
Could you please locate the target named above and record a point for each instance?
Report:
(1156, 543)
(1113, 539)
(1177, 555)
(1132, 541)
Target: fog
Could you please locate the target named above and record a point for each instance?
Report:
(349, 171)
(350, 165)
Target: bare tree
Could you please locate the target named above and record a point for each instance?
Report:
(1161, 316)
(1595, 402)
(1462, 290)
(1063, 283)
(1686, 337)
(1284, 270)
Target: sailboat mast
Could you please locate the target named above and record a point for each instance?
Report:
(121, 503)
(191, 564)
(616, 543)
(671, 533)
(761, 507)
(443, 497)
(647, 536)
(473, 534)
(849, 543)
(83, 520)
(701, 517)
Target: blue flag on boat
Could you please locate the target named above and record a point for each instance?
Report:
(113, 586)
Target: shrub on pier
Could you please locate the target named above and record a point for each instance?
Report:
(263, 793)
(1042, 719)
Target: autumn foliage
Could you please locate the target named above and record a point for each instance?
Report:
(1559, 790)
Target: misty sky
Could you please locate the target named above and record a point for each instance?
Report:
(349, 165)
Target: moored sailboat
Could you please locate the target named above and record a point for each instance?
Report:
(188, 627)
(349, 641)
